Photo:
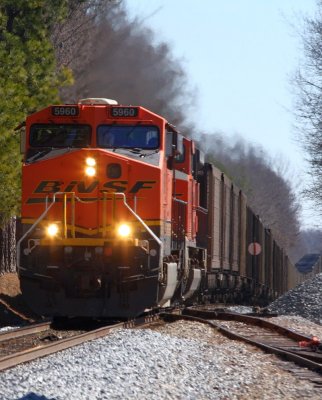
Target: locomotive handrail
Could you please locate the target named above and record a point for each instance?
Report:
(180, 201)
(154, 236)
(202, 209)
(139, 219)
(41, 217)
(48, 207)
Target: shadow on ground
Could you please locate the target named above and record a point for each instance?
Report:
(14, 311)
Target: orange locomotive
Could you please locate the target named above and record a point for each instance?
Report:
(109, 211)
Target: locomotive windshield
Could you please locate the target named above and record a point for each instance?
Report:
(128, 136)
(60, 136)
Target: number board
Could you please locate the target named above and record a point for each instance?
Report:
(65, 111)
(124, 112)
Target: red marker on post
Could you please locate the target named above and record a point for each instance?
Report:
(254, 249)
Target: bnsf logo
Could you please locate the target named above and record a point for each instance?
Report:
(46, 187)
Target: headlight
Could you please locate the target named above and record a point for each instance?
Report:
(124, 230)
(52, 230)
(90, 161)
(90, 169)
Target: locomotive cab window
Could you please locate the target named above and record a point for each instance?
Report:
(60, 136)
(181, 158)
(128, 136)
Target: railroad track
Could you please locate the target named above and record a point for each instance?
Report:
(39, 340)
(303, 362)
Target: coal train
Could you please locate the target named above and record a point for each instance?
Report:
(121, 214)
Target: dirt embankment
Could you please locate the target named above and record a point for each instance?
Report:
(13, 310)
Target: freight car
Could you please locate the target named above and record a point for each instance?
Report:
(120, 213)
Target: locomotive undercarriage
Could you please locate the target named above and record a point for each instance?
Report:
(191, 271)
(91, 281)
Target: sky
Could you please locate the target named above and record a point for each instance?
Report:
(240, 55)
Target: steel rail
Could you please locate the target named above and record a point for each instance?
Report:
(251, 320)
(31, 354)
(24, 331)
(288, 355)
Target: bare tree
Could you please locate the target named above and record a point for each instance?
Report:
(73, 36)
(308, 85)
(116, 57)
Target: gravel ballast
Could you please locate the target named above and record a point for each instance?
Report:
(304, 300)
(183, 360)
